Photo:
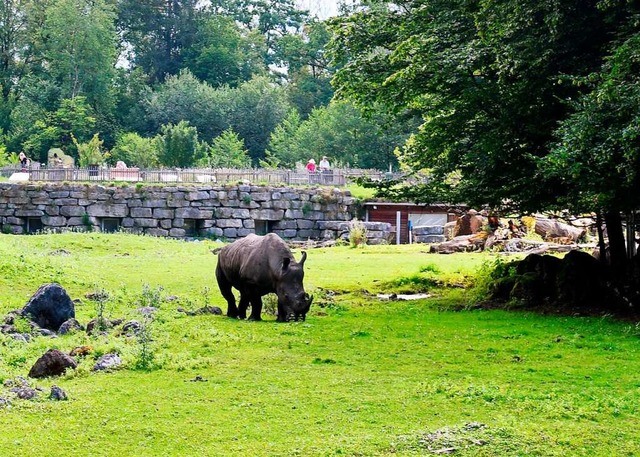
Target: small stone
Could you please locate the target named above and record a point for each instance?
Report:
(107, 362)
(147, 310)
(70, 326)
(57, 394)
(25, 393)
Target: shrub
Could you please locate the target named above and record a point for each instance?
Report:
(357, 233)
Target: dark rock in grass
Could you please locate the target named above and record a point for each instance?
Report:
(580, 280)
(57, 394)
(45, 332)
(131, 328)
(4, 402)
(8, 328)
(70, 326)
(101, 325)
(22, 337)
(204, 310)
(107, 362)
(52, 363)
(147, 310)
(49, 307)
(25, 392)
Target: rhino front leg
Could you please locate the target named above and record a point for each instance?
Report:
(256, 308)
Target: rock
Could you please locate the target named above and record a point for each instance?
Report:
(107, 362)
(4, 402)
(147, 310)
(93, 326)
(49, 307)
(131, 328)
(45, 332)
(25, 392)
(550, 229)
(57, 394)
(70, 326)
(81, 351)
(580, 280)
(8, 328)
(204, 310)
(52, 363)
(22, 337)
(469, 224)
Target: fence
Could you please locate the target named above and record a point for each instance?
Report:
(337, 177)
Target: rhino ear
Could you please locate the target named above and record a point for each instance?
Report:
(285, 263)
(303, 258)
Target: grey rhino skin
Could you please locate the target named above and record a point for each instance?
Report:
(259, 265)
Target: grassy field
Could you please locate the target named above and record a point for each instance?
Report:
(361, 377)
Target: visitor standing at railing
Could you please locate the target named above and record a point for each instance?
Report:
(325, 169)
(311, 168)
(24, 161)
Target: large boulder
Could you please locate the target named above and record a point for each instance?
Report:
(50, 307)
(469, 224)
(52, 363)
(580, 280)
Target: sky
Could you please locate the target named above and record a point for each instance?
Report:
(323, 8)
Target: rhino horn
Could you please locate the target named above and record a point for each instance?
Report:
(303, 258)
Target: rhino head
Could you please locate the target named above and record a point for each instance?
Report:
(293, 301)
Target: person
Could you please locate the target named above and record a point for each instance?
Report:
(24, 161)
(325, 169)
(324, 164)
(311, 166)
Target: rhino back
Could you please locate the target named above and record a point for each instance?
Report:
(254, 259)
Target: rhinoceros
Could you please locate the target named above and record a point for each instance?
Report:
(258, 265)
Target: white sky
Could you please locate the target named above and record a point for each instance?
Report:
(323, 8)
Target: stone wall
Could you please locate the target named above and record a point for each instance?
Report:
(181, 211)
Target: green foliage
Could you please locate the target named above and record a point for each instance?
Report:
(90, 153)
(357, 234)
(491, 81)
(227, 151)
(178, 145)
(135, 151)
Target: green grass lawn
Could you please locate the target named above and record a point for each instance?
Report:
(360, 377)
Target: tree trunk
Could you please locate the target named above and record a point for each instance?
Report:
(617, 249)
(601, 244)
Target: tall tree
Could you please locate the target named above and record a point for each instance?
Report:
(486, 78)
(157, 32)
(81, 49)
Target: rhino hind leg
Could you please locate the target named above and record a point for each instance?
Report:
(242, 306)
(256, 308)
(227, 293)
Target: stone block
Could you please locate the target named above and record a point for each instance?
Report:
(107, 210)
(230, 233)
(162, 213)
(141, 212)
(177, 233)
(72, 211)
(145, 222)
(157, 232)
(229, 223)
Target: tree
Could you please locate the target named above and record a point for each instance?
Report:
(13, 44)
(227, 151)
(222, 54)
(271, 18)
(184, 97)
(135, 151)
(81, 50)
(158, 32)
(485, 80)
(178, 145)
(254, 109)
(283, 150)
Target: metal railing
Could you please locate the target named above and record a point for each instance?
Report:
(336, 177)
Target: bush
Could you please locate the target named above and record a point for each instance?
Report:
(357, 233)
